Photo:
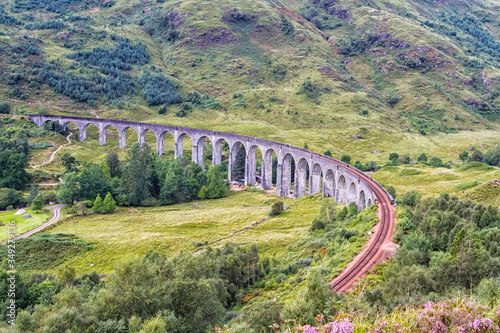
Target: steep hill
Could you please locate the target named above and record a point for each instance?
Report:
(355, 76)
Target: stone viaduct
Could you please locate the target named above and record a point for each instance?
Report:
(327, 176)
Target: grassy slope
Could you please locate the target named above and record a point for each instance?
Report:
(428, 101)
(172, 229)
(468, 183)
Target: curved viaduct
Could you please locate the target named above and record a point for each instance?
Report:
(327, 176)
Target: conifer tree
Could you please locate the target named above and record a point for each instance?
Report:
(109, 204)
(98, 204)
(37, 203)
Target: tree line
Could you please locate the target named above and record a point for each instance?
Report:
(143, 180)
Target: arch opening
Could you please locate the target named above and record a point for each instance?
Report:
(287, 167)
(329, 184)
(126, 135)
(255, 162)
(342, 190)
(269, 169)
(203, 152)
(184, 146)
(220, 156)
(68, 127)
(238, 162)
(362, 199)
(110, 135)
(301, 183)
(352, 196)
(149, 137)
(165, 145)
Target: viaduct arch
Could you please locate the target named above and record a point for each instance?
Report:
(314, 173)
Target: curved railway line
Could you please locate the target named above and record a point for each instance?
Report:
(374, 250)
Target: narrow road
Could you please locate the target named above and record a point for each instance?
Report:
(57, 215)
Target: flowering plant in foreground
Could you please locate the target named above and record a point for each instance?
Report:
(459, 315)
(339, 326)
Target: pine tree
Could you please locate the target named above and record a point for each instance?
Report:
(113, 163)
(98, 205)
(216, 186)
(37, 203)
(109, 204)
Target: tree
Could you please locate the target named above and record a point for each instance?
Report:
(5, 107)
(436, 162)
(216, 185)
(66, 275)
(13, 173)
(68, 189)
(306, 146)
(93, 181)
(463, 156)
(319, 292)
(154, 325)
(109, 204)
(169, 189)
(37, 203)
(492, 157)
(113, 163)
(11, 197)
(476, 156)
(70, 163)
(98, 205)
(422, 158)
(33, 194)
(238, 170)
(411, 198)
(346, 159)
(138, 172)
(328, 153)
(393, 157)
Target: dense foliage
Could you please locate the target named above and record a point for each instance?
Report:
(157, 90)
(122, 57)
(57, 6)
(175, 291)
(144, 180)
(14, 150)
(446, 246)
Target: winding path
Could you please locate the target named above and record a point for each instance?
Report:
(53, 155)
(57, 215)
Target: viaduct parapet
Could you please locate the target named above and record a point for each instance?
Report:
(328, 176)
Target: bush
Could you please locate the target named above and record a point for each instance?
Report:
(411, 198)
(276, 208)
(346, 159)
(5, 108)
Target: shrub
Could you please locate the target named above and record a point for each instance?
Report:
(5, 108)
(276, 208)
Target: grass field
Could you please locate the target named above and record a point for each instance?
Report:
(169, 230)
(429, 181)
(22, 225)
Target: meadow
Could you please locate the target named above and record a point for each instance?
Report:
(131, 232)
(22, 224)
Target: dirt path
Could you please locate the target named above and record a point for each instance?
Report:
(57, 215)
(53, 155)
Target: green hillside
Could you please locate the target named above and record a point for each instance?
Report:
(407, 91)
(355, 76)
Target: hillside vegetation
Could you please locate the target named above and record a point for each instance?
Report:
(355, 76)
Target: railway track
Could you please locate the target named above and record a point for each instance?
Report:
(374, 249)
